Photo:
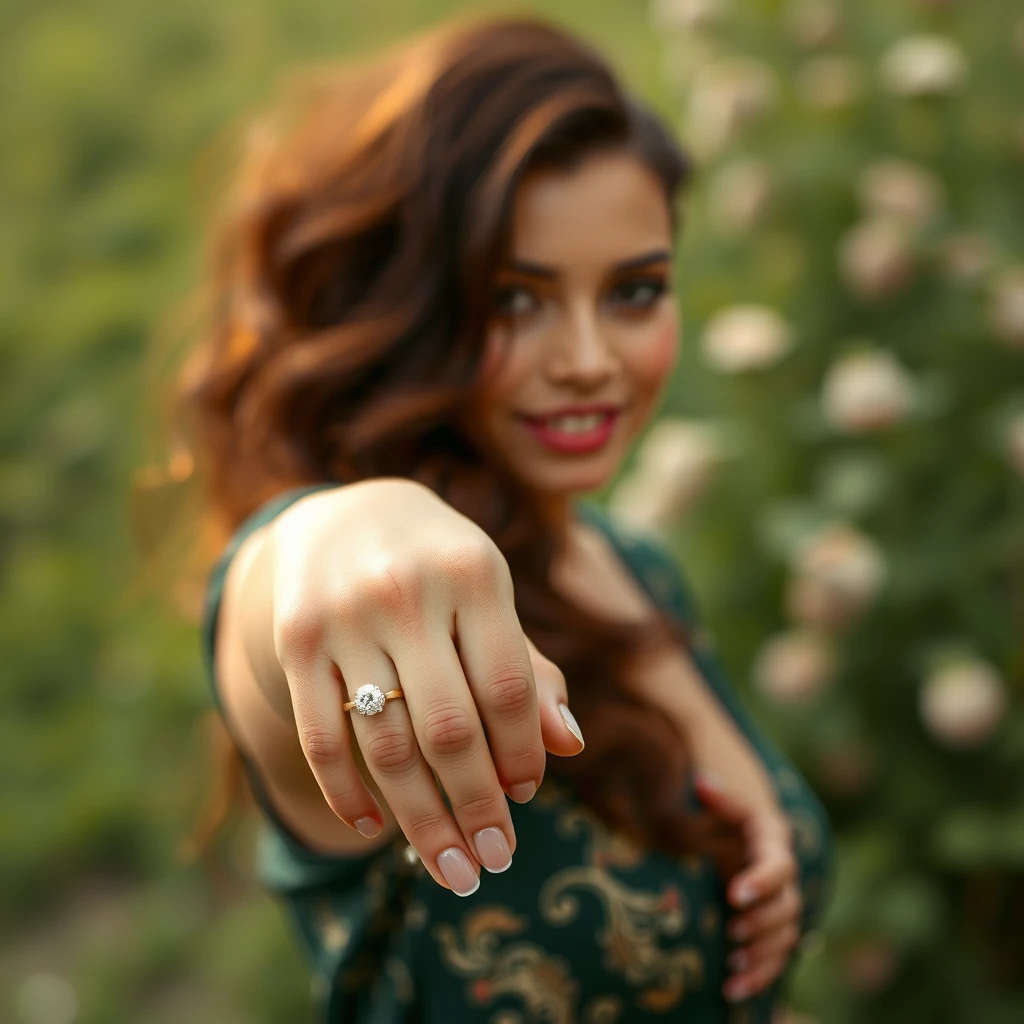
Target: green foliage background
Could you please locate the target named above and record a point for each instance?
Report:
(109, 128)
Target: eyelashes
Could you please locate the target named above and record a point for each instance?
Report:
(635, 294)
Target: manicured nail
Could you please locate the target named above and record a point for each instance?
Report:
(710, 779)
(368, 827)
(457, 871)
(492, 849)
(521, 792)
(745, 895)
(734, 990)
(570, 721)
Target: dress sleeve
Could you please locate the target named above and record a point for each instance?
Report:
(663, 578)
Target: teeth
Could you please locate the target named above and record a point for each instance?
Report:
(576, 424)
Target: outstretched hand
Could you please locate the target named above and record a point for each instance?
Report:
(763, 889)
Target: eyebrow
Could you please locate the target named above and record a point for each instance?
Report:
(551, 274)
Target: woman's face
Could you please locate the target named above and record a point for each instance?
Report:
(584, 328)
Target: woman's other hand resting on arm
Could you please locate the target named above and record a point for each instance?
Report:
(383, 582)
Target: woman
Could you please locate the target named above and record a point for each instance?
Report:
(444, 312)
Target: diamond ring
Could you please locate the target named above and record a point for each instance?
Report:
(370, 699)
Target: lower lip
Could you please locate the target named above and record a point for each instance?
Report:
(559, 441)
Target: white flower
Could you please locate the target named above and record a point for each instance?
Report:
(866, 391)
(830, 82)
(813, 23)
(838, 572)
(901, 190)
(739, 195)
(794, 666)
(746, 337)
(673, 466)
(966, 256)
(1014, 441)
(962, 702)
(726, 95)
(1006, 309)
(924, 65)
(686, 14)
(876, 259)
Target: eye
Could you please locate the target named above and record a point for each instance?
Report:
(639, 292)
(513, 300)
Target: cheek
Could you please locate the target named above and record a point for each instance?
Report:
(654, 361)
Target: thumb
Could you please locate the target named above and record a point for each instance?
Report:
(558, 727)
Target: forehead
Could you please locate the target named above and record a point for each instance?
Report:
(606, 209)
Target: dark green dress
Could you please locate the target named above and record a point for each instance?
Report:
(583, 928)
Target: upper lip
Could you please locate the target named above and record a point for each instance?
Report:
(574, 410)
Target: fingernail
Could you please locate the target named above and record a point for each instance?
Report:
(521, 792)
(734, 990)
(745, 895)
(492, 849)
(738, 961)
(739, 932)
(457, 871)
(709, 779)
(570, 721)
(368, 827)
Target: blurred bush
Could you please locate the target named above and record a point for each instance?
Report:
(853, 282)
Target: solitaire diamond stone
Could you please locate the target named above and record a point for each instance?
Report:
(369, 699)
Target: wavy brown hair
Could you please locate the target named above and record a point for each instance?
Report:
(352, 280)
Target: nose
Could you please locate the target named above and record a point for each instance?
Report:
(581, 356)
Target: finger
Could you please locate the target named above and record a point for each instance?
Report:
(559, 727)
(717, 798)
(451, 737)
(760, 963)
(327, 745)
(782, 909)
(773, 868)
(392, 755)
(495, 662)
(749, 983)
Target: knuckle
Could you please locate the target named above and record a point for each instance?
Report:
(512, 695)
(449, 731)
(396, 585)
(426, 827)
(321, 746)
(478, 806)
(297, 636)
(391, 751)
(476, 562)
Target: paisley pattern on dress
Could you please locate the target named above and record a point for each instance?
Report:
(540, 979)
(636, 920)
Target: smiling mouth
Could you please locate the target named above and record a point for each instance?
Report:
(573, 433)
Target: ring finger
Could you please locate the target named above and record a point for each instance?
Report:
(393, 757)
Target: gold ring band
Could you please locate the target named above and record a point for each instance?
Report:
(370, 699)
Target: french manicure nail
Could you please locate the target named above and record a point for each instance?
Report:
(458, 871)
(570, 721)
(745, 894)
(492, 849)
(367, 827)
(521, 792)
